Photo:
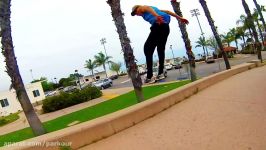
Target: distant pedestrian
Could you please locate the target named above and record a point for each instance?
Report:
(159, 20)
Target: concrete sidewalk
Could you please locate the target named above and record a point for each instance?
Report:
(230, 115)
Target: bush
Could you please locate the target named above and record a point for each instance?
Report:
(8, 119)
(64, 100)
(3, 121)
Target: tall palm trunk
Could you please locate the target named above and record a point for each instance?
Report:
(13, 70)
(244, 40)
(204, 51)
(236, 44)
(255, 34)
(105, 70)
(216, 35)
(256, 19)
(258, 24)
(260, 13)
(207, 51)
(191, 57)
(129, 57)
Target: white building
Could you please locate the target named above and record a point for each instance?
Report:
(90, 78)
(10, 104)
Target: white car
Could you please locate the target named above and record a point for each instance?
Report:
(103, 84)
(168, 66)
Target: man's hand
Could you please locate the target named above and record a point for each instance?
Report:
(183, 20)
(159, 20)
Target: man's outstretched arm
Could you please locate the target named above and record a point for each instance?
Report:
(183, 20)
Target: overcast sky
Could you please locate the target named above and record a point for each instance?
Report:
(54, 37)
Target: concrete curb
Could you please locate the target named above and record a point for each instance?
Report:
(100, 128)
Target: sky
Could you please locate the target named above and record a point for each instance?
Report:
(53, 38)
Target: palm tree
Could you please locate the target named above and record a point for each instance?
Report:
(129, 57)
(212, 44)
(116, 67)
(216, 35)
(91, 65)
(255, 34)
(241, 32)
(202, 43)
(235, 35)
(101, 60)
(260, 13)
(13, 70)
(255, 16)
(191, 57)
(227, 38)
(245, 24)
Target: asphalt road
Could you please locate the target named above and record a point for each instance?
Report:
(202, 70)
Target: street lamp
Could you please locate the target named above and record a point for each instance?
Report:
(195, 12)
(172, 52)
(31, 74)
(78, 78)
(103, 41)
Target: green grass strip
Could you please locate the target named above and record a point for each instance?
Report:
(86, 114)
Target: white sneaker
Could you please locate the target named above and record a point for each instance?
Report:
(160, 77)
(151, 80)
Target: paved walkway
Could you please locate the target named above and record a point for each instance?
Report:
(230, 115)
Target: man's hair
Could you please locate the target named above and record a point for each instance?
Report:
(134, 9)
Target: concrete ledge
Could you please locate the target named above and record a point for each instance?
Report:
(256, 62)
(100, 128)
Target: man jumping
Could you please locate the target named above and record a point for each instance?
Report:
(159, 20)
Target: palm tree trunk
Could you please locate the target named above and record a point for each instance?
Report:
(190, 54)
(207, 51)
(105, 70)
(13, 70)
(258, 24)
(255, 34)
(250, 32)
(260, 13)
(244, 40)
(216, 35)
(203, 47)
(129, 57)
(92, 73)
(236, 44)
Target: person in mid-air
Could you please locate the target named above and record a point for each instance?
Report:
(159, 20)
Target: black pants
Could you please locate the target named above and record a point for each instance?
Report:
(157, 38)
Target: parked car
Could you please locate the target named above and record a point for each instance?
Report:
(103, 84)
(168, 66)
(209, 60)
(49, 93)
(113, 77)
(70, 88)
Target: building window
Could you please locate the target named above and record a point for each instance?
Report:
(4, 102)
(36, 93)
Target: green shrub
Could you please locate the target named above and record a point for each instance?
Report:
(3, 121)
(64, 100)
(8, 119)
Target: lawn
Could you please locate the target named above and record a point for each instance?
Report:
(101, 109)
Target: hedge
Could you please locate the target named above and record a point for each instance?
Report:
(64, 100)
